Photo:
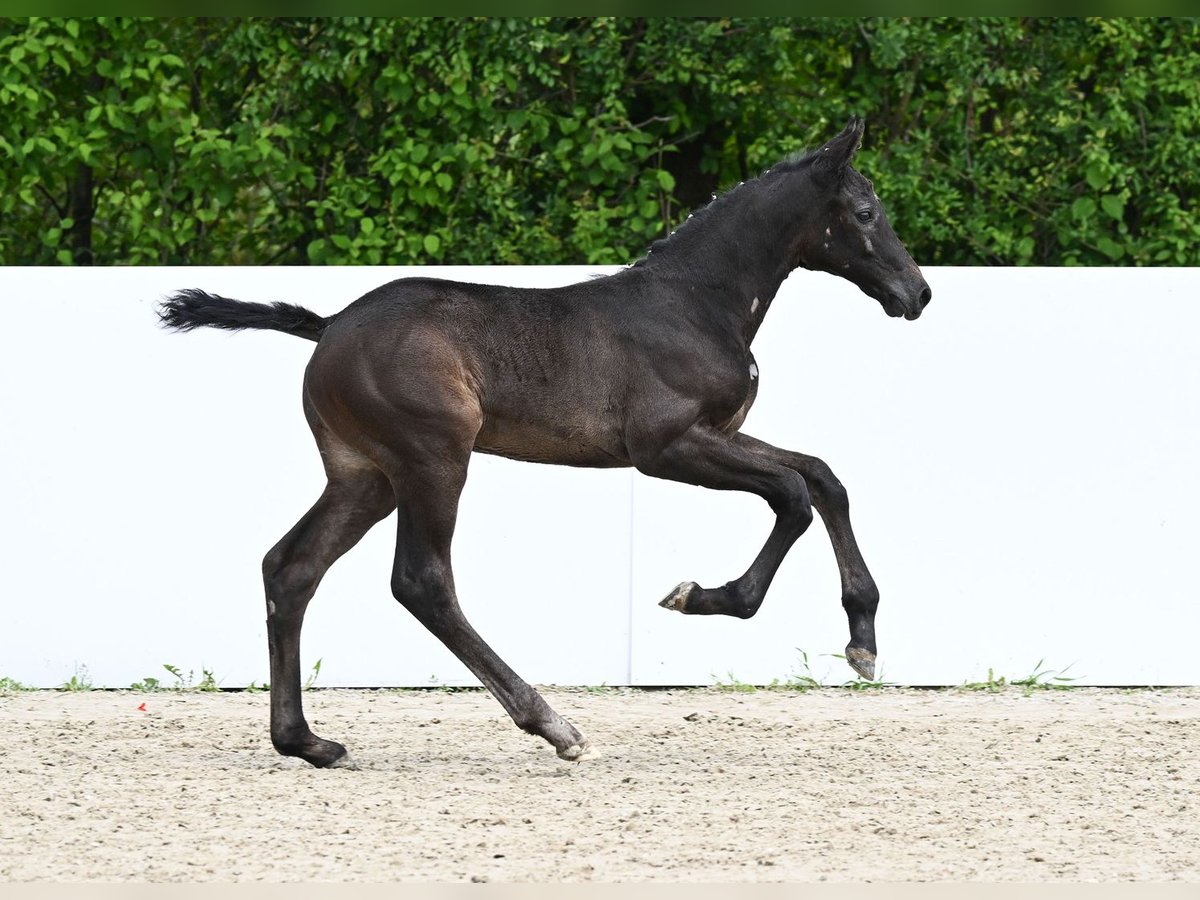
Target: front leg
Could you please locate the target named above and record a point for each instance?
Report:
(860, 596)
(704, 456)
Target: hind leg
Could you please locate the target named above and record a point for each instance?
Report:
(422, 581)
(355, 498)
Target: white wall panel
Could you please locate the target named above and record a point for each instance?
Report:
(1020, 463)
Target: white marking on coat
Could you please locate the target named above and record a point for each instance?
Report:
(870, 247)
(753, 370)
(754, 306)
(827, 234)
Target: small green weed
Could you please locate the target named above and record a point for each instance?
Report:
(858, 683)
(181, 683)
(11, 686)
(80, 681)
(207, 682)
(146, 684)
(801, 681)
(1045, 679)
(733, 684)
(312, 676)
(992, 685)
(1039, 680)
(188, 682)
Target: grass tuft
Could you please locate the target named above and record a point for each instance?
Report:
(80, 681)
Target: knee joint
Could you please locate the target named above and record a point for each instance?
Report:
(828, 491)
(793, 500)
(287, 582)
(423, 593)
(861, 599)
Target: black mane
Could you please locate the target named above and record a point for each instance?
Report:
(691, 228)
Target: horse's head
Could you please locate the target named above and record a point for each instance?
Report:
(852, 237)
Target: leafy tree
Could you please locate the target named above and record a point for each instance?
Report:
(402, 141)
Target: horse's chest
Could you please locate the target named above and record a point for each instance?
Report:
(744, 394)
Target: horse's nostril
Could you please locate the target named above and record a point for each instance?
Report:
(926, 296)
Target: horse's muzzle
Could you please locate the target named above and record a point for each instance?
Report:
(912, 306)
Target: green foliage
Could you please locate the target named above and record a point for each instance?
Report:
(185, 682)
(1040, 679)
(732, 683)
(993, 684)
(79, 681)
(312, 675)
(12, 686)
(803, 680)
(858, 682)
(489, 140)
(1045, 679)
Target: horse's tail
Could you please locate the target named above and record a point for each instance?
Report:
(185, 310)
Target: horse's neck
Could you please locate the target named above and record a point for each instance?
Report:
(738, 290)
(731, 259)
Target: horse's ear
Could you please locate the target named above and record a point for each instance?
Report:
(834, 157)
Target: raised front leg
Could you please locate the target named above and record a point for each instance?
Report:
(860, 596)
(707, 457)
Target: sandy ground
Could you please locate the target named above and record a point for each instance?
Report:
(695, 785)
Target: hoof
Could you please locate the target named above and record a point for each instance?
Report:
(579, 752)
(678, 598)
(345, 761)
(861, 661)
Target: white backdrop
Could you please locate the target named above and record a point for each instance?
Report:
(1021, 464)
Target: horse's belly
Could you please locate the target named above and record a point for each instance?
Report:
(562, 443)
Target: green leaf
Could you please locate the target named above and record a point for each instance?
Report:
(444, 181)
(1097, 176)
(432, 244)
(1110, 248)
(1083, 208)
(666, 180)
(1113, 205)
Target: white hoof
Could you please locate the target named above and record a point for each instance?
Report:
(677, 599)
(344, 762)
(579, 752)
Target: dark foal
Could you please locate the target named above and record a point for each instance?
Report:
(650, 367)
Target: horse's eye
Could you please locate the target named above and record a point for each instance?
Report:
(863, 215)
